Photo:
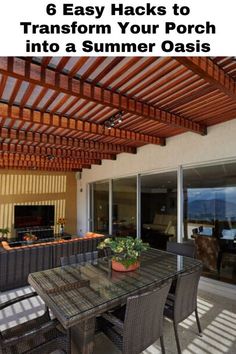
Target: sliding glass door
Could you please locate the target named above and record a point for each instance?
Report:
(124, 206)
(209, 206)
(99, 210)
(210, 217)
(159, 208)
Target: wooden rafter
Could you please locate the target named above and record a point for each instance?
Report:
(154, 75)
(2, 84)
(46, 61)
(137, 71)
(53, 112)
(30, 166)
(45, 159)
(121, 71)
(48, 78)
(57, 152)
(53, 120)
(114, 62)
(62, 63)
(73, 71)
(211, 72)
(9, 162)
(93, 67)
(21, 158)
(60, 141)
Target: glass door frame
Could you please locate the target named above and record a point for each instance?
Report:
(90, 204)
(138, 199)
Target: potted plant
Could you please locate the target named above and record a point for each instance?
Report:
(126, 252)
(4, 231)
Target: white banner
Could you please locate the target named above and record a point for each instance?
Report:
(118, 28)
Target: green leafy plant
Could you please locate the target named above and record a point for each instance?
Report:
(126, 250)
(4, 231)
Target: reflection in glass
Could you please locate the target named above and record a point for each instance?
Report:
(159, 208)
(100, 207)
(210, 217)
(180, 263)
(124, 207)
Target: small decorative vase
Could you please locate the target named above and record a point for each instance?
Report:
(119, 267)
(62, 230)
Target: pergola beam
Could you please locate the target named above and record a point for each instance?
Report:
(211, 72)
(75, 125)
(52, 151)
(3, 166)
(48, 78)
(61, 141)
(9, 155)
(8, 163)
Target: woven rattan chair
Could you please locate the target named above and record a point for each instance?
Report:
(38, 336)
(184, 302)
(142, 322)
(183, 249)
(90, 257)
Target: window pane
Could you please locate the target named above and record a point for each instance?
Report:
(101, 207)
(124, 207)
(210, 217)
(159, 208)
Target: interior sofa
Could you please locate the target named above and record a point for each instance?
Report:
(18, 262)
(163, 223)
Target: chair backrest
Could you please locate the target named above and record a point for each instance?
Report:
(90, 257)
(107, 252)
(207, 250)
(186, 294)
(143, 323)
(183, 249)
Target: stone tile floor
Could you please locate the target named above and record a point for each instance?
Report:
(217, 316)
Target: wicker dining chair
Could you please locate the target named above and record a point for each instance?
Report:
(142, 322)
(90, 257)
(41, 335)
(183, 302)
(182, 249)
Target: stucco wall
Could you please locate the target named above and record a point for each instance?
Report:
(185, 149)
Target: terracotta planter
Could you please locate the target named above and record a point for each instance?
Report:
(119, 267)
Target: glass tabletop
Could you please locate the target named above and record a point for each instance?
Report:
(72, 291)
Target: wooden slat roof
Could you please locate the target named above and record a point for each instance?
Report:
(53, 110)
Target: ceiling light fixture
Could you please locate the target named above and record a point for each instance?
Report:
(50, 157)
(114, 120)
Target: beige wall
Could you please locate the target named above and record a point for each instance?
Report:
(35, 187)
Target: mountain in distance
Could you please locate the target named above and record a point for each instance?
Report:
(211, 208)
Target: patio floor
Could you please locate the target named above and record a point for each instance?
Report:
(217, 315)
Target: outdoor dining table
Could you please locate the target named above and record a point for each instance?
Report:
(77, 293)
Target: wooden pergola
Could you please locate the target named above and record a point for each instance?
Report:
(55, 113)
